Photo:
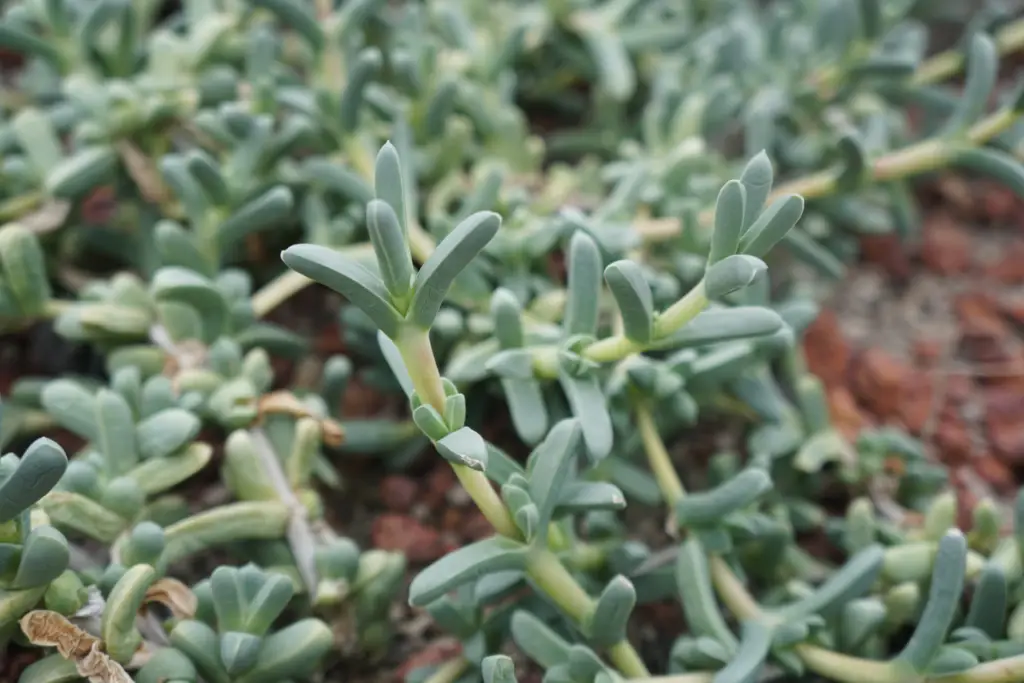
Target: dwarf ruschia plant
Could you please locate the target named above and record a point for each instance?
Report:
(542, 233)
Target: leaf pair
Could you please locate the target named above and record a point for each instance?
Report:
(396, 296)
(743, 233)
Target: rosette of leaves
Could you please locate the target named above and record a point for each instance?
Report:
(228, 194)
(233, 639)
(139, 444)
(34, 556)
(560, 657)
(890, 456)
(576, 358)
(455, 69)
(25, 291)
(64, 38)
(478, 614)
(403, 304)
(177, 313)
(839, 614)
(542, 498)
(47, 172)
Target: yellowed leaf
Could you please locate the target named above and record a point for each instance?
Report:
(50, 629)
(287, 403)
(98, 667)
(143, 171)
(175, 596)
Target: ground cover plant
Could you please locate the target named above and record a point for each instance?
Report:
(559, 264)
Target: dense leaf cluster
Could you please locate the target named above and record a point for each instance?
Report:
(438, 165)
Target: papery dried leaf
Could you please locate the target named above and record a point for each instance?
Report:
(98, 667)
(46, 218)
(287, 403)
(182, 356)
(144, 172)
(50, 629)
(175, 596)
(333, 434)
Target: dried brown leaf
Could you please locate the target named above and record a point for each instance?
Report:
(175, 596)
(287, 403)
(50, 629)
(46, 218)
(98, 667)
(144, 172)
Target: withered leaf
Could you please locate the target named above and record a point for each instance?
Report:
(287, 403)
(50, 629)
(175, 596)
(144, 172)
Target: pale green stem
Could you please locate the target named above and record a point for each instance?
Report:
(672, 319)
(699, 677)
(450, 671)
(627, 660)
(658, 459)
(731, 590)
(943, 65)
(936, 68)
(919, 157)
(1006, 670)
(54, 307)
(846, 669)
(679, 314)
(612, 348)
(553, 579)
(14, 208)
(418, 356)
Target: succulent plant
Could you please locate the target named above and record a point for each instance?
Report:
(548, 240)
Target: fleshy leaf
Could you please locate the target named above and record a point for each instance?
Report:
(729, 213)
(464, 447)
(634, 298)
(347, 277)
(450, 258)
(468, 563)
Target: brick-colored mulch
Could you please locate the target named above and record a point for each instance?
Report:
(929, 336)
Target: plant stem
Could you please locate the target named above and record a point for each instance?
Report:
(672, 319)
(611, 349)
(732, 591)
(14, 208)
(676, 316)
(627, 660)
(555, 581)
(299, 533)
(919, 157)
(699, 677)
(1006, 670)
(657, 457)
(846, 669)
(450, 671)
(943, 65)
(418, 356)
